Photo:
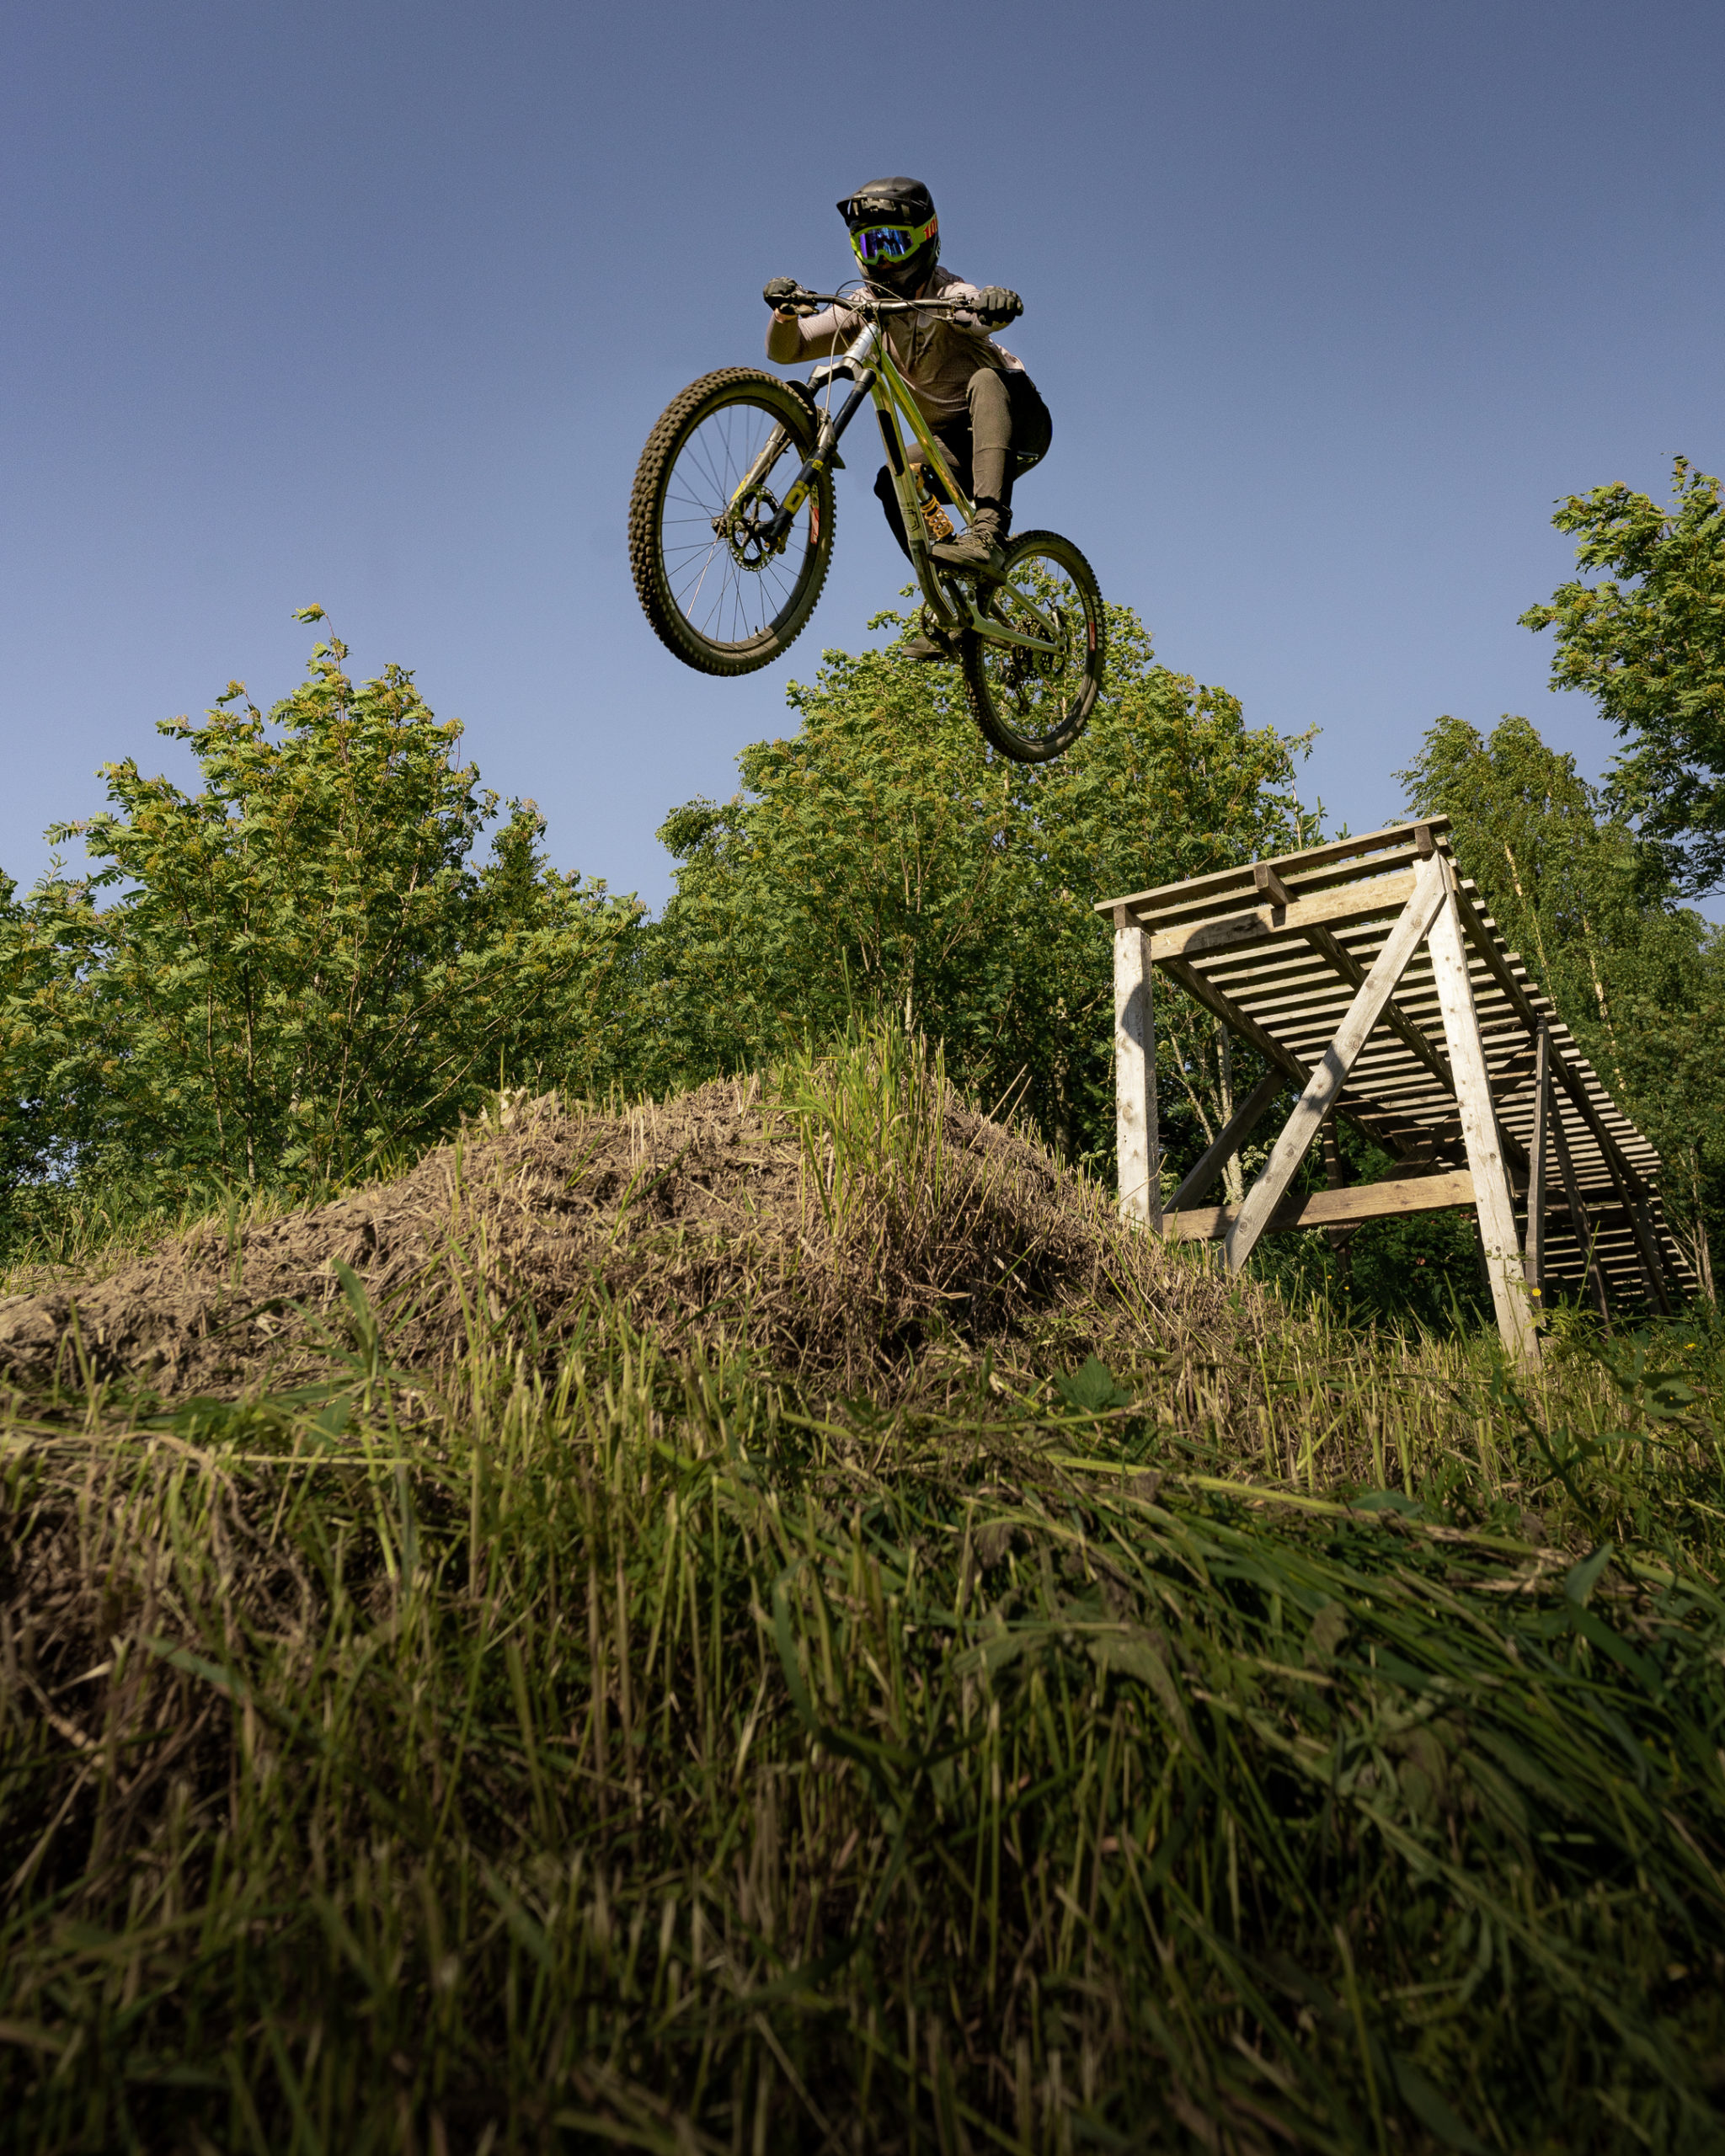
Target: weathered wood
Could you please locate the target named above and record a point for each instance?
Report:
(1333, 1208)
(1621, 1169)
(1534, 1260)
(1384, 1126)
(1582, 1226)
(1137, 1141)
(1648, 1258)
(1344, 963)
(1351, 902)
(1328, 1079)
(1245, 955)
(1228, 1140)
(1479, 1127)
(1265, 879)
(1196, 888)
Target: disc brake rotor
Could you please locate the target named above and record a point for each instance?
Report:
(744, 527)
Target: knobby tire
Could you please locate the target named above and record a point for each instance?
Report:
(714, 613)
(1031, 711)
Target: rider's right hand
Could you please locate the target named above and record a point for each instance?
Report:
(779, 291)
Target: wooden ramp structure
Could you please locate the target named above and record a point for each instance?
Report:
(1369, 976)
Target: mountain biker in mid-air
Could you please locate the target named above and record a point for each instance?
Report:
(979, 403)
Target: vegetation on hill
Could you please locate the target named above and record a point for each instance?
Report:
(512, 1739)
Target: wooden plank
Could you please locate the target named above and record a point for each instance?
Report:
(1326, 1209)
(1479, 1128)
(1137, 1141)
(1221, 880)
(1349, 967)
(1350, 902)
(1648, 1256)
(1383, 1126)
(1331, 1075)
(1616, 1159)
(1228, 1140)
(1533, 1257)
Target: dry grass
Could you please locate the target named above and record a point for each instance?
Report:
(526, 1738)
(870, 1233)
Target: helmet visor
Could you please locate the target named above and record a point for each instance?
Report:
(874, 243)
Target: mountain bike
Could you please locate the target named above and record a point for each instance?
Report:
(731, 530)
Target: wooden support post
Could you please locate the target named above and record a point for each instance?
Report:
(1534, 1260)
(1137, 1140)
(1579, 1219)
(1327, 1081)
(1623, 1173)
(1479, 1128)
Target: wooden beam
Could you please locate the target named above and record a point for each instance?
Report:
(1383, 894)
(1228, 1140)
(1328, 1079)
(1219, 882)
(1622, 1169)
(1479, 1127)
(1397, 1134)
(1533, 1257)
(1578, 1220)
(1137, 1140)
(1344, 963)
(1334, 1209)
(1648, 1256)
(1265, 881)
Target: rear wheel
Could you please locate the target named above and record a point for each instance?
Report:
(711, 479)
(1034, 701)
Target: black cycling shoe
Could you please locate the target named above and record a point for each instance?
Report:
(977, 549)
(931, 651)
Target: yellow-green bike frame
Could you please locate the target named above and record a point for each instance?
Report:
(955, 600)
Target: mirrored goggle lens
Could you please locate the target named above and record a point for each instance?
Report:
(885, 242)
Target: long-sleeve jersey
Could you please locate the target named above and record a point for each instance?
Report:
(935, 353)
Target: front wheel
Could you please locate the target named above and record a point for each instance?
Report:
(1032, 699)
(711, 479)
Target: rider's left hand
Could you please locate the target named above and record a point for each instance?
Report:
(994, 304)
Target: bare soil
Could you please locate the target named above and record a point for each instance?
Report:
(699, 1219)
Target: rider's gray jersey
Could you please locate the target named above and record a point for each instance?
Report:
(936, 355)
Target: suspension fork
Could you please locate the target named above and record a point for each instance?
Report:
(826, 441)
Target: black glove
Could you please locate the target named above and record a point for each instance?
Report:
(994, 304)
(778, 292)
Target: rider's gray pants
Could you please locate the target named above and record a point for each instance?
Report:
(1006, 431)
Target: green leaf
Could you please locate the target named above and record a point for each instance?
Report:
(1580, 1580)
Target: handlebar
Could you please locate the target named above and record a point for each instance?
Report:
(865, 304)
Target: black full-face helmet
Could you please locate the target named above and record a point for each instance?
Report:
(894, 233)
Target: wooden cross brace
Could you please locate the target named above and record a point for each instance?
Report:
(1431, 916)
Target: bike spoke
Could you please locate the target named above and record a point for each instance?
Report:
(724, 597)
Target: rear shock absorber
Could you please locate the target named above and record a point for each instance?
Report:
(940, 525)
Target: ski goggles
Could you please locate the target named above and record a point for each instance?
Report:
(875, 243)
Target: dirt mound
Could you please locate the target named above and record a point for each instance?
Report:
(717, 1213)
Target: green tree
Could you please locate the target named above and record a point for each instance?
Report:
(882, 855)
(1652, 654)
(300, 964)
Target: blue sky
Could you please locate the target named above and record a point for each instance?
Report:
(374, 305)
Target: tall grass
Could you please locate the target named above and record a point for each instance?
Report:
(638, 1753)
